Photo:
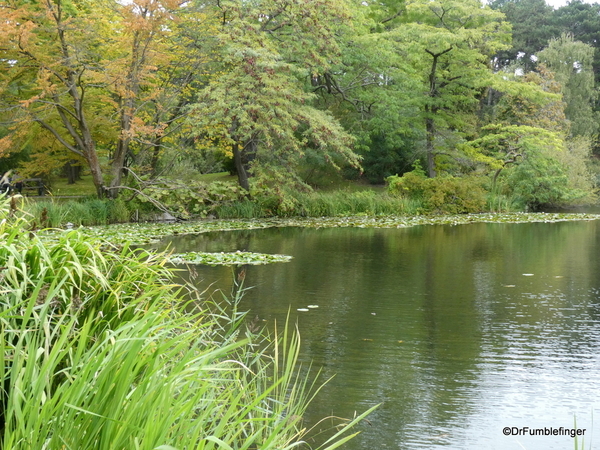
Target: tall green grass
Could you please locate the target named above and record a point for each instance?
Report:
(92, 211)
(319, 204)
(99, 353)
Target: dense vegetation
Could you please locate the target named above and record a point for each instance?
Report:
(466, 106)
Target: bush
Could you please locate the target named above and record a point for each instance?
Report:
(191, 199)
(539, 180)
(444, 194)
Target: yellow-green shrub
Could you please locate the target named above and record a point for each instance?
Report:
(444, 194)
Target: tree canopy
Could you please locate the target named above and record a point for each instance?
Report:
(278, 90)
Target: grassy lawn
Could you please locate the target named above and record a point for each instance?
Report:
(84, 187)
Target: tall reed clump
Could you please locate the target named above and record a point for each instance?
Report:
(319, 204)
(341, 203)
(98, 353)
(88, 212)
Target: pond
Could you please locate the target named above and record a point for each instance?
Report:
(458, 331)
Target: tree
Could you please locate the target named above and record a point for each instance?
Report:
(374, 91)
(96, 76)
(50, 69)
(571, 61)
(582, 20)
(140, 54)
(524, 144)
(259, 103)
(450, 43)
(532, 27)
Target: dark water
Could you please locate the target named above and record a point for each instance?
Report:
(457, 331)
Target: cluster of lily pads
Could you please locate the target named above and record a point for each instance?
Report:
(230, 258)
(140, 234)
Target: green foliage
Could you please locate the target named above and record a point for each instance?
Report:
(534, 166)
(532, 27)
(571, 61)
(539, 180)
(582, 20)
(450, 42)
(289, 93)
(192, 199)
(319, 204)
(384, 158)
(87, 212)
(98, 353)
(534, 23)
(447, 194)
(258, 103)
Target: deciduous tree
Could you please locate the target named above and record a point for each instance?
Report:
(450, 42)
(572, 64)
(50, 53)
(259, 102)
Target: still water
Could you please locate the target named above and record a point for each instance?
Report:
(457, 331)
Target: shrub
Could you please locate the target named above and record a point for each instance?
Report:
(443, 194)
(539, 180)
(191, 199)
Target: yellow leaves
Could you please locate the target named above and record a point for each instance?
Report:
(475, 154)
(16, 30)
(140, 129)
(28, 102)
(6, 145)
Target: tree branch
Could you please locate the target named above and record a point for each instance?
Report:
(60, 139)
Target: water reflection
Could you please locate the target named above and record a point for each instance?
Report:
(457, 331)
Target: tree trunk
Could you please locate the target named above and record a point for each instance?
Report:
(156, 146)
(72, 170)
(96, 170)
(240, 167)
(431, 110)
(430, 126)
(118, 162)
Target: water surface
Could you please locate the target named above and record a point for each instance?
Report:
(458, 331)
